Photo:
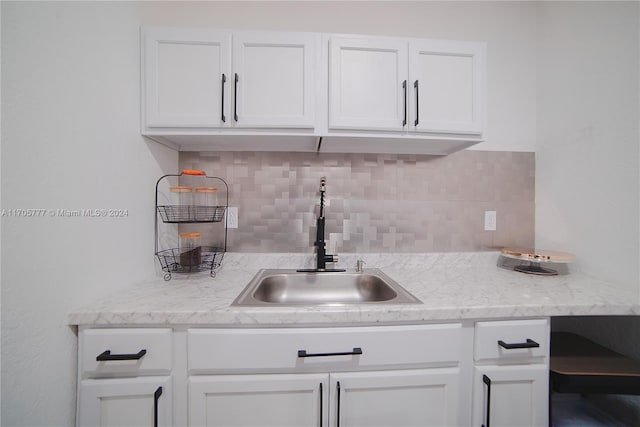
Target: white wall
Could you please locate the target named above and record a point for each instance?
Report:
(588, 156)
(587, 168)
(71, 140)
(0, 208)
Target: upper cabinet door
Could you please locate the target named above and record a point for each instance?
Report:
(367, 83)
(274, 79)
(186, 77)
(447, 86)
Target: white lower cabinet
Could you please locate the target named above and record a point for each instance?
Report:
(511, 396)
(425, 397)
(124, 377)
(145, 401)
(511, 373)
(279, 400)
(483, 374)
(346, 376)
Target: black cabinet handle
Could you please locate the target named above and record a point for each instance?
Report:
(355, 351)
(528, 344)
(106, 355)
(487, 381)
(224, 80)
(338, 406)
(235, 98)
(156, 397)
(415, 85)
(404, 88)
(320, 404)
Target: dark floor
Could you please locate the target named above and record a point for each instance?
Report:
(572, 410)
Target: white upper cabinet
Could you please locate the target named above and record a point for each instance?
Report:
(394, 84)
(196, 78)
(447, 84)
(186, 73)
(237, 90)
(274, 79)
(366, 79)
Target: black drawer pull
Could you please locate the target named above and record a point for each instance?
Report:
(529, 344)
(417, 120)
(338, 411)
(487, 381)
(321, 425)
(235, 98)
(156, 397)
(223, 118)
(106, 355)
(404, 89)
(355, 351)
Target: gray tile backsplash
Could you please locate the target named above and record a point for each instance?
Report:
(377, 203)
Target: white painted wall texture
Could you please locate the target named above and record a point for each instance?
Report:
(587, 157)
(0, 208)
(587, 171)
(70, 140)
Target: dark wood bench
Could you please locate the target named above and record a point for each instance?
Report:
(579, 365)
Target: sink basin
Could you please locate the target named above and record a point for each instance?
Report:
(289, 287)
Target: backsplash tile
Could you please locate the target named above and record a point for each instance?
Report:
(377, 203)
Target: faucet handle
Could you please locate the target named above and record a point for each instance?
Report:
(359, 264)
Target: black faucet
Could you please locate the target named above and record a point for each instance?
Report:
(322, 258)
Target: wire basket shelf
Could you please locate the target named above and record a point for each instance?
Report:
(182, 214)
(203, 258)
(209, 207)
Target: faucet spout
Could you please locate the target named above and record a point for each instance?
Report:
(322, 258)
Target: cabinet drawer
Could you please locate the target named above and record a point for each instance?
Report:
(130, 352)
(322, 349)
(512, 340)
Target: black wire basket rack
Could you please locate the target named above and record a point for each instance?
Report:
(173, 261)
(174, 214)
(201, 258)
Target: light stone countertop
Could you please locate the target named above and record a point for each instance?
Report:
(452, 286)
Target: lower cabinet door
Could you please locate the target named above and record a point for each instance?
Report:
(511, 396)
(142, 401)
(426, 397)
(281, 400)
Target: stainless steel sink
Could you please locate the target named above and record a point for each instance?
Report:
(289, 287)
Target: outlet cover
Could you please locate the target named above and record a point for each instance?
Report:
(232, 217)
(490, 221)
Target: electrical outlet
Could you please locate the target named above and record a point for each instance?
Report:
(232, 217)
(490, 221)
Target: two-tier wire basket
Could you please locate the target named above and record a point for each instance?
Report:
(202, 213)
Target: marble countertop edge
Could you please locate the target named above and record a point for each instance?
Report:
(452, 287)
